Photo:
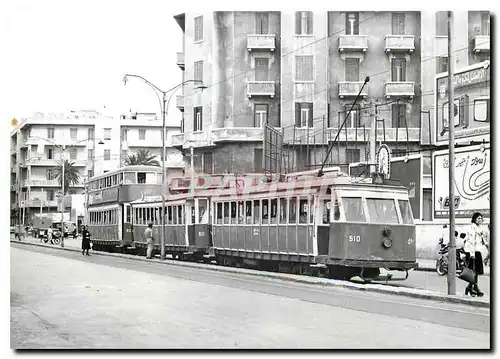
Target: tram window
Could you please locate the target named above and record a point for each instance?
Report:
(120, 178)
(193, 214)
(256, 212)
(127, 214)
(283, 206)
(353, 207)
(203, 211)
(327, 205)
(174, 215)
(382, 210)
(141, 177)
(292, 213)
(405, 208)
(233, 213)
(336, 210)
(274, 211)
(226, 213)
(144, 216)
(169, 216)
(248, 212)
(129, 178)
(303, 210)
(179, 215)
(241, 212)
(152, 178)
(136, 221)
(311, 210)
(265, 211)
(219, 213)
(105, 217)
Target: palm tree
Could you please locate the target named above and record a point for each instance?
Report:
(71, 175)
(142, 157)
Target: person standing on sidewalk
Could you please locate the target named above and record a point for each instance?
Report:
(476, 249)
(85, 241)
(148, 234)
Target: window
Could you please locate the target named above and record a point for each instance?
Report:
(142, 134)
(207, 162)
(352, 23)
(353, 208)
(50, 132)
(90, 154)
(292, 210)
(304, 68)
(257, 160)
(248, 212)
(198, 28)
(182, 123)
(352, 155)
(485, 23)
(442, 23)
(107, 134)
(198, 70)
(262, 23)
(398, 115)
(90, 174)
(398, 23)
(107, 155)
(441, 64)
(261, 69)
(283, 210)
(90, 134)
(50, 174)
(50, 195)
(382, 210)
(398, 69)
(304, 114)
(72, 191)
(129, 178)
(256, 212)
(352, 69)
(125, 134)
(124, 155)
(50, 153)
(260, 116)
(405, 209)
(72, 153)
(303, 211)
(482, 110)
(354, 119)
(73, 133)
(303, 22)
(198, 119)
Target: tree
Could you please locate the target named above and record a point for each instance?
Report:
(142, 157)
(71, 175)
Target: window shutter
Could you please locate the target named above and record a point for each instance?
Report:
(195, 111)
(297, 114)
(201, 120)
(403, 69)
(261, 69)
(309, 22)
(298, 30)
(311, 119)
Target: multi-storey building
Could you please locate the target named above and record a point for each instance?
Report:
(300, 72)
(89, 139)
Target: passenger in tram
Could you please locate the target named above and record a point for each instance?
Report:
(148, 234)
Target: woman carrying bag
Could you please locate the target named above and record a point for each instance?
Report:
(476, 249)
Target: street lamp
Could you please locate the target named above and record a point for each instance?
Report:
(164, 110)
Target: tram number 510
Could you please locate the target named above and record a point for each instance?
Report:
(355, 239)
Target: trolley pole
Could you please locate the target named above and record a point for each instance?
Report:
(452, 270)
(62, 197)
(373, 142)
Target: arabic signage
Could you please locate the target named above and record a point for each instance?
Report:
(143, 192)
(103, 196)
(472, 182)
(471, 104)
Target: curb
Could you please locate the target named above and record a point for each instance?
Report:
(402, 291)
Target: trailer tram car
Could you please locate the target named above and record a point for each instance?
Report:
(109, 195)
(341, 226)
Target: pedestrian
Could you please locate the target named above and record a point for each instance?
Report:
(85, 241)
(74, 231)
(148, 234)
(476, 250)
(49, 234)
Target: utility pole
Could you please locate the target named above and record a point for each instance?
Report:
(373, 142)
(452, 270)
(62, 196)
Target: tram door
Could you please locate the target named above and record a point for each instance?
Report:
(202, 223)
(127, 236)
(323, 224)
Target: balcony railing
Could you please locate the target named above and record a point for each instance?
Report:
(41, 183)
(261, 88)
(353, 43)
(179, 102)
(399, 89)
(397, 43)
(351, 89)
(46, 162)
(359, 137)
(180, 60)
(261, 41)
(482, 43)
(238, 134)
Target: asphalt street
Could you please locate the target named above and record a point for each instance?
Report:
(60, 299)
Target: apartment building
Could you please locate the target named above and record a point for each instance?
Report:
(299, 72)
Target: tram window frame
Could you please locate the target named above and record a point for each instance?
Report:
(283, 210)
(265, 211)
(240, 208)
(343, 198)
(248, 212)
(377, 210)
(408, 211)
(305, 213)
(257, 212)
(292, 210)
(226, 214)
(219, 213)
(234, 212)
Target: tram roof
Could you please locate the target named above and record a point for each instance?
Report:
(134, 168)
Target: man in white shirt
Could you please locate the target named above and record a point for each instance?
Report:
(148, 234)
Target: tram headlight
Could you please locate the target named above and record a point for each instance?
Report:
(387, 232)
(387, 242)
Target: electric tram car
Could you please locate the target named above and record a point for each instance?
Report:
(336, 224)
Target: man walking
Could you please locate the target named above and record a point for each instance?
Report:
(148, 234)
(85, 241)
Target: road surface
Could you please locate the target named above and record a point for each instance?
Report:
(60, 299)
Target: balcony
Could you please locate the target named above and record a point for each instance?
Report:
(177, 140)
(261, 42)
(45, 162)
(399, 43)
(353, 43)
(261, 88)
(180, 60)
(351, 89)
(179, 102)
(41, 183)
(399, 89)
(36, 202)
(239, 134)
(482, 43)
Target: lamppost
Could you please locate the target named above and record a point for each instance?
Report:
(164, 110)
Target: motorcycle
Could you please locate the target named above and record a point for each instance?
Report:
(442, 261)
